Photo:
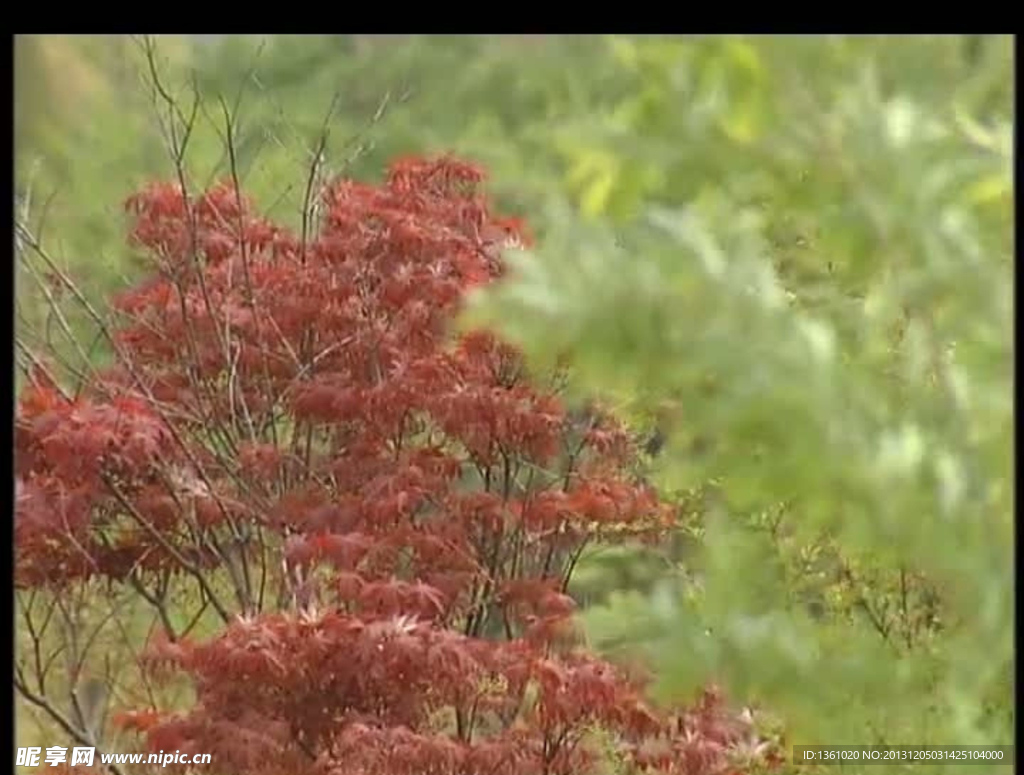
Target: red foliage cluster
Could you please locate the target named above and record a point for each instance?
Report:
(72, 459)
(426, 498)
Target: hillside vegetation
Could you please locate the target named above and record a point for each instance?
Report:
(785, 263)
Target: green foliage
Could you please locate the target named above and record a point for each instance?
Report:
(78, 171)
(86, 133)
(804, 246)
(491, 98)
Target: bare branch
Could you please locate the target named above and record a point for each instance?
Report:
(43, 703)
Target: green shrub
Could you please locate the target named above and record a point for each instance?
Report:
(811, 269)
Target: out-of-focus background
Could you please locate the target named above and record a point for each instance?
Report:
(600, 124)
(89, 126)
(823, 224)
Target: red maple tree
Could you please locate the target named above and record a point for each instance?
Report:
(395, 510)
